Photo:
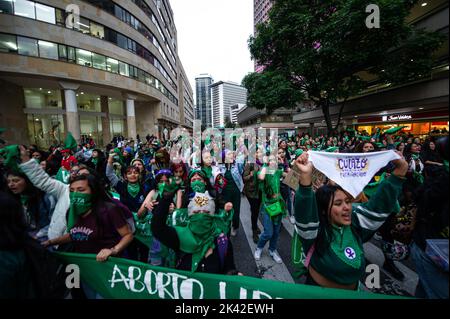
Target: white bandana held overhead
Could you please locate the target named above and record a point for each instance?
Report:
(351, 171)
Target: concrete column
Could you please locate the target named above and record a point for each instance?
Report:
(105, 120)
(72, 117)
(131, 117)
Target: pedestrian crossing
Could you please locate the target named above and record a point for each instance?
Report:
(267, 268)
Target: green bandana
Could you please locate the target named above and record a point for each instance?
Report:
(197, 237)
(198, 186)
(207, 170)
(346, 247)
(415, 157)
(95, 161)
(446, 165)
(161, 187)
(133, 189)
(80, 204)
(11, 157)
(63, 175)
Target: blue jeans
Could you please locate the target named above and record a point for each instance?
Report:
(433, 281)
(271, 231)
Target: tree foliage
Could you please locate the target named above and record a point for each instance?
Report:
(322, 50)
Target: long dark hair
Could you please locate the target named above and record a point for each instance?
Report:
(13, 228)
(35, 196)
(325, 198)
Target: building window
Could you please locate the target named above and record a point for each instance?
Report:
(88, 102)
(24, 8)
(62, 52)
(8, 43)
(71, 54)
(48, 50)
(123, 69)
(84, 57)
(122, 41)
(27, 46)
(112, 65)
(45, 130)
(99, 61)
(116, 107)
(45, 13)
(6, 6)
(60, 17)
(97, 30)
(39, 98)
(83, 25)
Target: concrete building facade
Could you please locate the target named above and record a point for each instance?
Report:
(95, 68)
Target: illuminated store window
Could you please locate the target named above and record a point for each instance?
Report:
(45, 130)
(41, 98)
(88, 102)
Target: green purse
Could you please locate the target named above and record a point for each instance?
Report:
(274, 209)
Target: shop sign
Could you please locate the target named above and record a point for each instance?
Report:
(396, 117)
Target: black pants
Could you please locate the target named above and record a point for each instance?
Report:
(255, 204)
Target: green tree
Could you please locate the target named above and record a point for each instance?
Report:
(323, 51)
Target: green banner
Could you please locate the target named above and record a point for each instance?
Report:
(126, 279)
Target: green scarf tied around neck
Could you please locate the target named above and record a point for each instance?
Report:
(95, 161)
(199, 234)
(133, 189)
(80, 204)
(415, 157)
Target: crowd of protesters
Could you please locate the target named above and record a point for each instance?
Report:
(91, 199)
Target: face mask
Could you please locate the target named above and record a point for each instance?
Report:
(198, 186)
(80, 204)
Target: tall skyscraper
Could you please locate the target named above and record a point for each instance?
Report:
(261, 14)
(203, 98)
(225, 95)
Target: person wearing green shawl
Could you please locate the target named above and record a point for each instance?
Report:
(201, 241)
(273, 208)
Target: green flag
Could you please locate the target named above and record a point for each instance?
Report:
(394, 130)
(11, 156)
(120, 278)
(70, 143)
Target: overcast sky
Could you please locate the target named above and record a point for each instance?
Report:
(212, 37)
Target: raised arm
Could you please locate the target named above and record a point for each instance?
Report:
(165, 234)
(305, 205)
(110, 171)
(368, 217)
(38, 177)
